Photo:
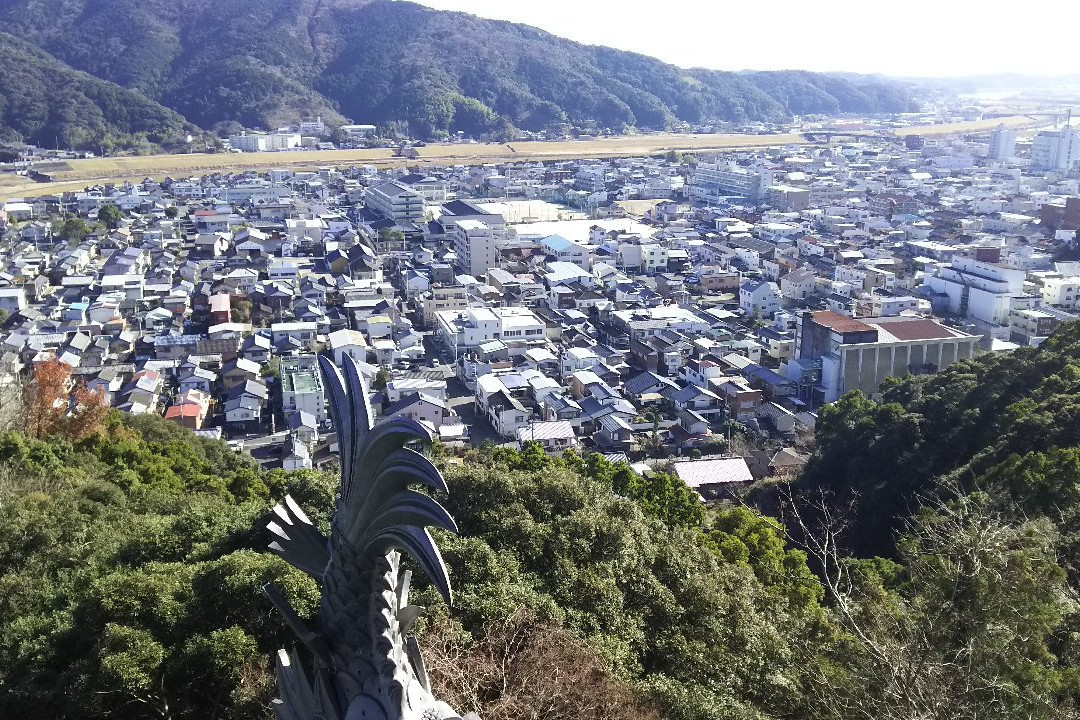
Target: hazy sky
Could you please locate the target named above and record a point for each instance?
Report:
(912, 37)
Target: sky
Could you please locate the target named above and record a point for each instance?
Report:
(913, 38)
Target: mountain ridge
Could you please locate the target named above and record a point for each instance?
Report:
(274, 62)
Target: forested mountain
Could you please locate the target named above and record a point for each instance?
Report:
(269, 62)
(45, 102)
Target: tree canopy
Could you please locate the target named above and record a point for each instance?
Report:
(133, 560)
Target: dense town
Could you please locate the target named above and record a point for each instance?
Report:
(697, 307)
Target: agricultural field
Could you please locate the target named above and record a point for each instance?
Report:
(970, 126)
(77, 174)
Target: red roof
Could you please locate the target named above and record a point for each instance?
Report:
(183, 410)
(840, 323)
(916, 329)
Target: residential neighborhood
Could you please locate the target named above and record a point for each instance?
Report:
(650, 307)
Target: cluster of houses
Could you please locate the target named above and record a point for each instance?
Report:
(638, 306)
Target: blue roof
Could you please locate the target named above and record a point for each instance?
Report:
(557, 242)
(765, 375)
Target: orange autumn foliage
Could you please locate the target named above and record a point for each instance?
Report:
(53, 408)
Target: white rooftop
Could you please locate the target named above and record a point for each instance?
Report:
(698, 473)
(550, 430)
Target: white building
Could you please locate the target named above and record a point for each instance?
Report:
(979, 290)
(304, 333)
(1056, 149)
(347, 342)
(395, 201)
(474, 244)
(263, 142)
(358, 132)
(1002, 143)
(516, 327)
(886, 305)
(577, 358)
(305, 229)
(500, 406)
(727, 178)
(566, 250)
(313, 127)
(12, 300)
(759, 298)
(302, 391)
(1062, 291)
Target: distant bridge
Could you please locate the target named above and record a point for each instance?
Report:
(825, 136)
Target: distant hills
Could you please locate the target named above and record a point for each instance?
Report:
(45, 102)
(271, 62)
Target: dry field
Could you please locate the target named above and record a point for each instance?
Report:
(77, 174)
(637, 208)
(120, 169)
(969, 126)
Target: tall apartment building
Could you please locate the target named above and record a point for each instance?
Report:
(1056, 149)
(474, 244)
(1002, 143)
(395, 201)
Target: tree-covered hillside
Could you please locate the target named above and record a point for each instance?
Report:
(132, 560)
(1005, 424)
(45, 102)
(270, 62)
